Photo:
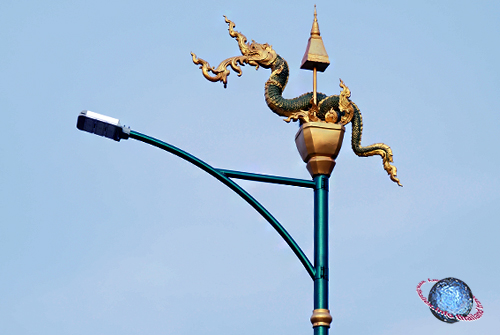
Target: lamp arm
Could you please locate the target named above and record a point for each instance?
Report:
(219, 175)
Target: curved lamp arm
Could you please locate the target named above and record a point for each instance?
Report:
(220, 175)
(111, 128)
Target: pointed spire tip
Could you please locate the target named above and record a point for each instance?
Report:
(315, 26)
(315, 55)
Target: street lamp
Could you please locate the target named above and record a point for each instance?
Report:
(319, 139)
(102, 125)
(110, 127)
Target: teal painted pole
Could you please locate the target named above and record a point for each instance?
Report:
(320, 254)
(321, 318)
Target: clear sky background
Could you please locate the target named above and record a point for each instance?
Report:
(100, 237)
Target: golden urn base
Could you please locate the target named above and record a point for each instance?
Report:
(319, 144)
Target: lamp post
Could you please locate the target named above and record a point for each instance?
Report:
(111, 128)
(319, 139)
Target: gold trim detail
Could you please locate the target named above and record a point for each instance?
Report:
(321, 317)
(306, 116)
(345, 105)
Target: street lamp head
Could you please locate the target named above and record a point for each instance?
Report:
(102, 125)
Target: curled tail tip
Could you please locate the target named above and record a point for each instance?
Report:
(392, 171)
(396, 180)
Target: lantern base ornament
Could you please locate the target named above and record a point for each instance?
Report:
(319, 144)
(309, 107)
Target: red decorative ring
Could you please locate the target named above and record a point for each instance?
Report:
(470, 317)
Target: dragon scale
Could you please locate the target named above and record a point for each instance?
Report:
(333, 108)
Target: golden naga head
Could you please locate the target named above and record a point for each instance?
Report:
(254, 54)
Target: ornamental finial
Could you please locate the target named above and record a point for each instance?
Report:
(315, 56)
(315, 27)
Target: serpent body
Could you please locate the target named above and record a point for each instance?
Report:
(274, 88)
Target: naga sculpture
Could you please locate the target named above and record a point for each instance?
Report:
(331, 109)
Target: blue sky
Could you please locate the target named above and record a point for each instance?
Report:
(100, 237)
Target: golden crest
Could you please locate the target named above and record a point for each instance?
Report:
(345, 105)
(254, 54)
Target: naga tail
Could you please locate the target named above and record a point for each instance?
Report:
(380, 149)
